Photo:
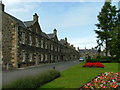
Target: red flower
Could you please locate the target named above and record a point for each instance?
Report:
(119, 80)
(97, 64)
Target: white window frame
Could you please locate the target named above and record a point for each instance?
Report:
(51, 46)
(23, 56)
(23, 38)
(55, 48)
(42, 57)
(31, 57)
(46, 45)
(52, 57)
(41, 43)
(37, 42)
(30, 40)
(45, 57)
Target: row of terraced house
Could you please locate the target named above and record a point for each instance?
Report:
(25, 44)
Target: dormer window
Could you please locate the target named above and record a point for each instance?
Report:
(37, 42)
(36, 30)
(41, 43)
(46, 45)
(51, 47)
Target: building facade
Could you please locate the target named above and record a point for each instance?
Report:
(25, 43)
(88, 52)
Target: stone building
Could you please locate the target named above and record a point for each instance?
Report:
(25, 43)
(88, 52)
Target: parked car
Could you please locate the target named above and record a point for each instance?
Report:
(81, 59)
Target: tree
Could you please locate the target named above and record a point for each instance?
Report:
(107, 21)
(115, 40)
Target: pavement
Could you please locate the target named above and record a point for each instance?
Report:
(12, 75)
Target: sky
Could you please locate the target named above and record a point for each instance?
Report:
(74, 20)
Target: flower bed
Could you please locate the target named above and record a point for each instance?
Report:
(104, 80)
(96, 64)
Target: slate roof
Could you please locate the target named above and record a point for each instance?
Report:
(29, 23)
(88, 50)
(45, 35)
(62, 41)
(25, 24)
(52, 35)
(16, 20)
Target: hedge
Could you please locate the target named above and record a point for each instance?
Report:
(34, 81)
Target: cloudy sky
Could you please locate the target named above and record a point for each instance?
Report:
(74, 20)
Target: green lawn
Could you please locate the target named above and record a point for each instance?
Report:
(77, 76)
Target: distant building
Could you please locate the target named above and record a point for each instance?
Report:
(25, 43)
(88, 52)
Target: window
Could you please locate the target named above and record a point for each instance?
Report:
(36, 30)
(23, 57)
(51, 47)
(45, 57)
(58, 49)
(42, 57)
(31, 55)
(41, 43)
(46, 45)
(23, 38)
(37, 42)
(58, 57)
(30, 40)
(55, 48)
(51, 57)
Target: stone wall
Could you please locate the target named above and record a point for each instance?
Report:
(8, 41)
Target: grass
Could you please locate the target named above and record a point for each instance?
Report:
(77, 76)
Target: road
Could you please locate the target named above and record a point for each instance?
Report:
(9, 76)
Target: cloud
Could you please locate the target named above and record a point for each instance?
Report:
(23, 9)
(77, 23)
(87, 42)
(79, 16)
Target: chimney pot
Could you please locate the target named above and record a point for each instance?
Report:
(65, 39)
(55, 31)
(35, 17)
(1, 6)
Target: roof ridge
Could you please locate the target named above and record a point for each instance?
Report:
(21, 23)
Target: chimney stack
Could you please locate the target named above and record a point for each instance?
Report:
(55, 32)
(66, 39)
(1, 6)
(35, 18)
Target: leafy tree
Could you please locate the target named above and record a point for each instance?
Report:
(115, 40)
(107, 21)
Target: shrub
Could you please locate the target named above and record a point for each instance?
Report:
(105, 59)
(93, 59)
(34, 81)
(115, 60)
(88, 59)
(98, 57)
